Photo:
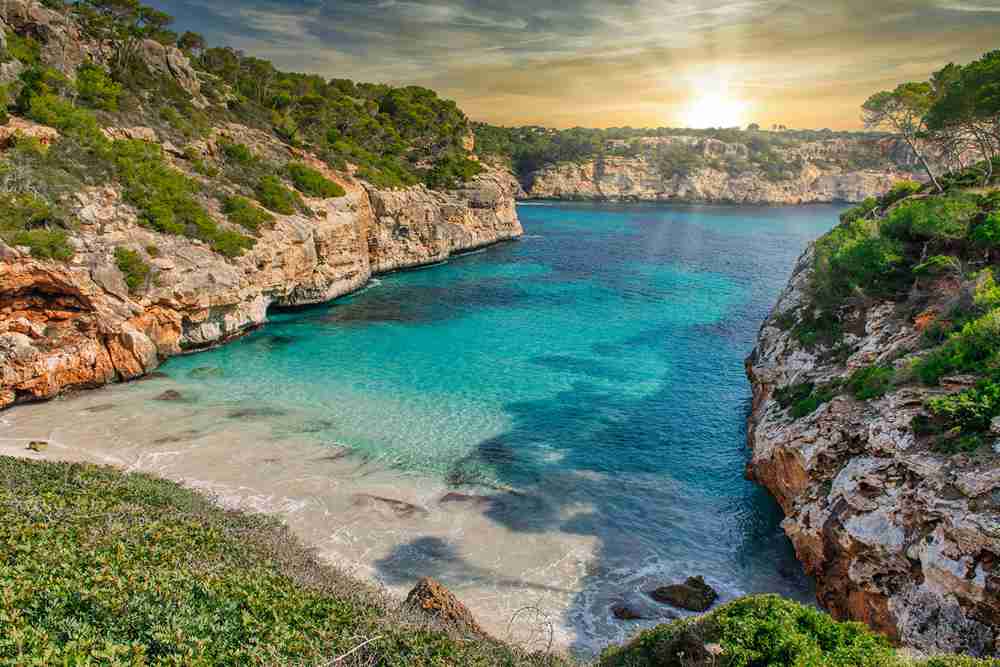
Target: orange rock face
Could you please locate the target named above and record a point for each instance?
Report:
(433, 599)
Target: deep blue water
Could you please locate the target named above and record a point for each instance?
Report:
(594, 366)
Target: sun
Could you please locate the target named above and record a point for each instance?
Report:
(715, 108)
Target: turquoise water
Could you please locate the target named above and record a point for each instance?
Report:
(589, 375)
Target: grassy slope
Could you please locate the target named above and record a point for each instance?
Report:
(101, 567)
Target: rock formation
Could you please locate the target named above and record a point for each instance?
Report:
(897, 535)
(820, 171)
(432, 598)
(76, 324)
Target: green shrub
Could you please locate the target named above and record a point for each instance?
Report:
(166, 198)
(870, 382)
(43, 243)
(451, 171)
(243, 212)
(133, 267)
(939, 265)
(932, 219)
(50, 109)
(238, 153)
(817, 328)
(860, 212)
(27, 220)
(24, 48)
(273, 194)
(987, 233)
(898, 192)
(96, 88)
(805, 398)
(960, 422)
(855, 258)
(972, 350)
(757, 631)
(312, 183)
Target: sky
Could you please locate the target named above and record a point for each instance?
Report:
(605, 63)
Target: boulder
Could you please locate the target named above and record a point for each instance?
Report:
(170, 395)
(432, 598)
(693, 595)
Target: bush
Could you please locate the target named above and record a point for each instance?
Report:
(855, 258)
(756, 631)
(939, 265)
(312, 183)
(23, 48)
(96, 88)
(43, 243)
(806, 397)
(132, 266)
(859, 212)
(27, 220)
(166, 198)
(244, 213)
(273, 194)
(971, 350)
(932, 219)
(987, 233)
(451, 171)
(238, 153)
(960, 422)
(870, 382)
(50, 109)
(898, 192)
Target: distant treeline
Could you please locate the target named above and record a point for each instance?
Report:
(532, 148)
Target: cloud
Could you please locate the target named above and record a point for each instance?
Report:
(612, 62)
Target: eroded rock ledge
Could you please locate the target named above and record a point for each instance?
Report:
(76, 325)
(897, 536)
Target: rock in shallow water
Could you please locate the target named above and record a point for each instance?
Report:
(693, 595)
(203, 372)
(170, 395)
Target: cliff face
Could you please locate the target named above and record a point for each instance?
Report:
(897, 536)
(76, 324)
(818, 172)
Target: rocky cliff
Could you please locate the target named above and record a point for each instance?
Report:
(77, 324)
(898, 534)
(819, 171)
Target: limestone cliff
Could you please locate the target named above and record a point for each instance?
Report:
(818, 171)
(76, 324)
(897, 535)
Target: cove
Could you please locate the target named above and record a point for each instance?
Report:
(546, 426)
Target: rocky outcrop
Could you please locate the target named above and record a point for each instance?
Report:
(419, 226)
(818, 171)
(897, 535)
(77, 325)
(432, 598)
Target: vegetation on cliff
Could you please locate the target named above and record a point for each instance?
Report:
(933, 250)
(392, 136)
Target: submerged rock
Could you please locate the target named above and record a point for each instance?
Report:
(104, 407)
(636, 606)
(204, 372)
(170, 395)
(693, 595)
(401, 508)
(255, 413)
(432, 598)
(38, 445)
